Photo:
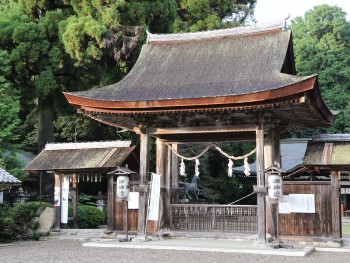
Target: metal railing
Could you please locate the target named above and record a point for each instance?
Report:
(203, 217)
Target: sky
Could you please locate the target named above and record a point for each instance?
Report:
(274, 10)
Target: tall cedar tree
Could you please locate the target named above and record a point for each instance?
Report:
(321, 45)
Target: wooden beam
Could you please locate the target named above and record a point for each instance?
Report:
(202, 129)
(57, 203)
(336, 216)
(110, 201)
(261, 201)
(75, 199)
(144, 166)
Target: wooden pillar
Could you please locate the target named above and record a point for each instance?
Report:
(161, 155)
(261, 201)
(168, 189)
(144, 166)
(75, 199)
(272, 157)
(175, 173)
(336, 219)
(110, 202)
(57, 202)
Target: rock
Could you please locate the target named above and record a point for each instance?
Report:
(46, 220)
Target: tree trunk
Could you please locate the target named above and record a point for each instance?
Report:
(45, 124)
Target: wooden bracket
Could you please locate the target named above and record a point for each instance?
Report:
(260, 189)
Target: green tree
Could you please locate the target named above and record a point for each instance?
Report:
(9, 105)
(321, 45)
(201, 15)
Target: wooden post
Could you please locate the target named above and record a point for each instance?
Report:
(57, 202)
(272, 157)
(110, 201)
(336, 219)
(175, 173)
(75, 199)
(160, 169)
(261, 200)
(144, 166)
(168, 189)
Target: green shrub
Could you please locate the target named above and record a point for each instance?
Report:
(22, 214)
(7, 228)
(88, 216)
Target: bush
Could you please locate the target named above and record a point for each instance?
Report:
(22, 214)
(88, 216)
(7, 228)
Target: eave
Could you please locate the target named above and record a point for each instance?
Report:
(237, 100)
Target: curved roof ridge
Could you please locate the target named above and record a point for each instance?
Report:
(236, 31)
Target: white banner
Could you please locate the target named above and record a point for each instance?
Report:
(153, 208)
(1, 197)
(64, 199)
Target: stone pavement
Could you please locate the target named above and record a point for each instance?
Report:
(208, 245)
(243, 244)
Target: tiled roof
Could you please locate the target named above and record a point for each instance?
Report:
(8, 179)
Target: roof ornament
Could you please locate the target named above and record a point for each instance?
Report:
(148, 35)
(285, 26)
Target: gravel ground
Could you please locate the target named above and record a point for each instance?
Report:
(72, 251)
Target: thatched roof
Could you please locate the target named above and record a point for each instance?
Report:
(80, 157)
(223, 64)
(217, 77)
(329, 151)
(8, 179)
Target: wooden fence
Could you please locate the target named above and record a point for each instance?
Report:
(199, 217)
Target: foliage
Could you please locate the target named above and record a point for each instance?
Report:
(14, 220)
(9, 104)
(11, 162)
(88, 216)
(200, 15)
(321, 45)
(85, 199)
(22, 214)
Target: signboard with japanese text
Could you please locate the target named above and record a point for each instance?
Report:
(297, 203)
(153, 209)
(133, 202)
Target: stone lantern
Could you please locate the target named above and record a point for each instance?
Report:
(21, 196)
(100, 200)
